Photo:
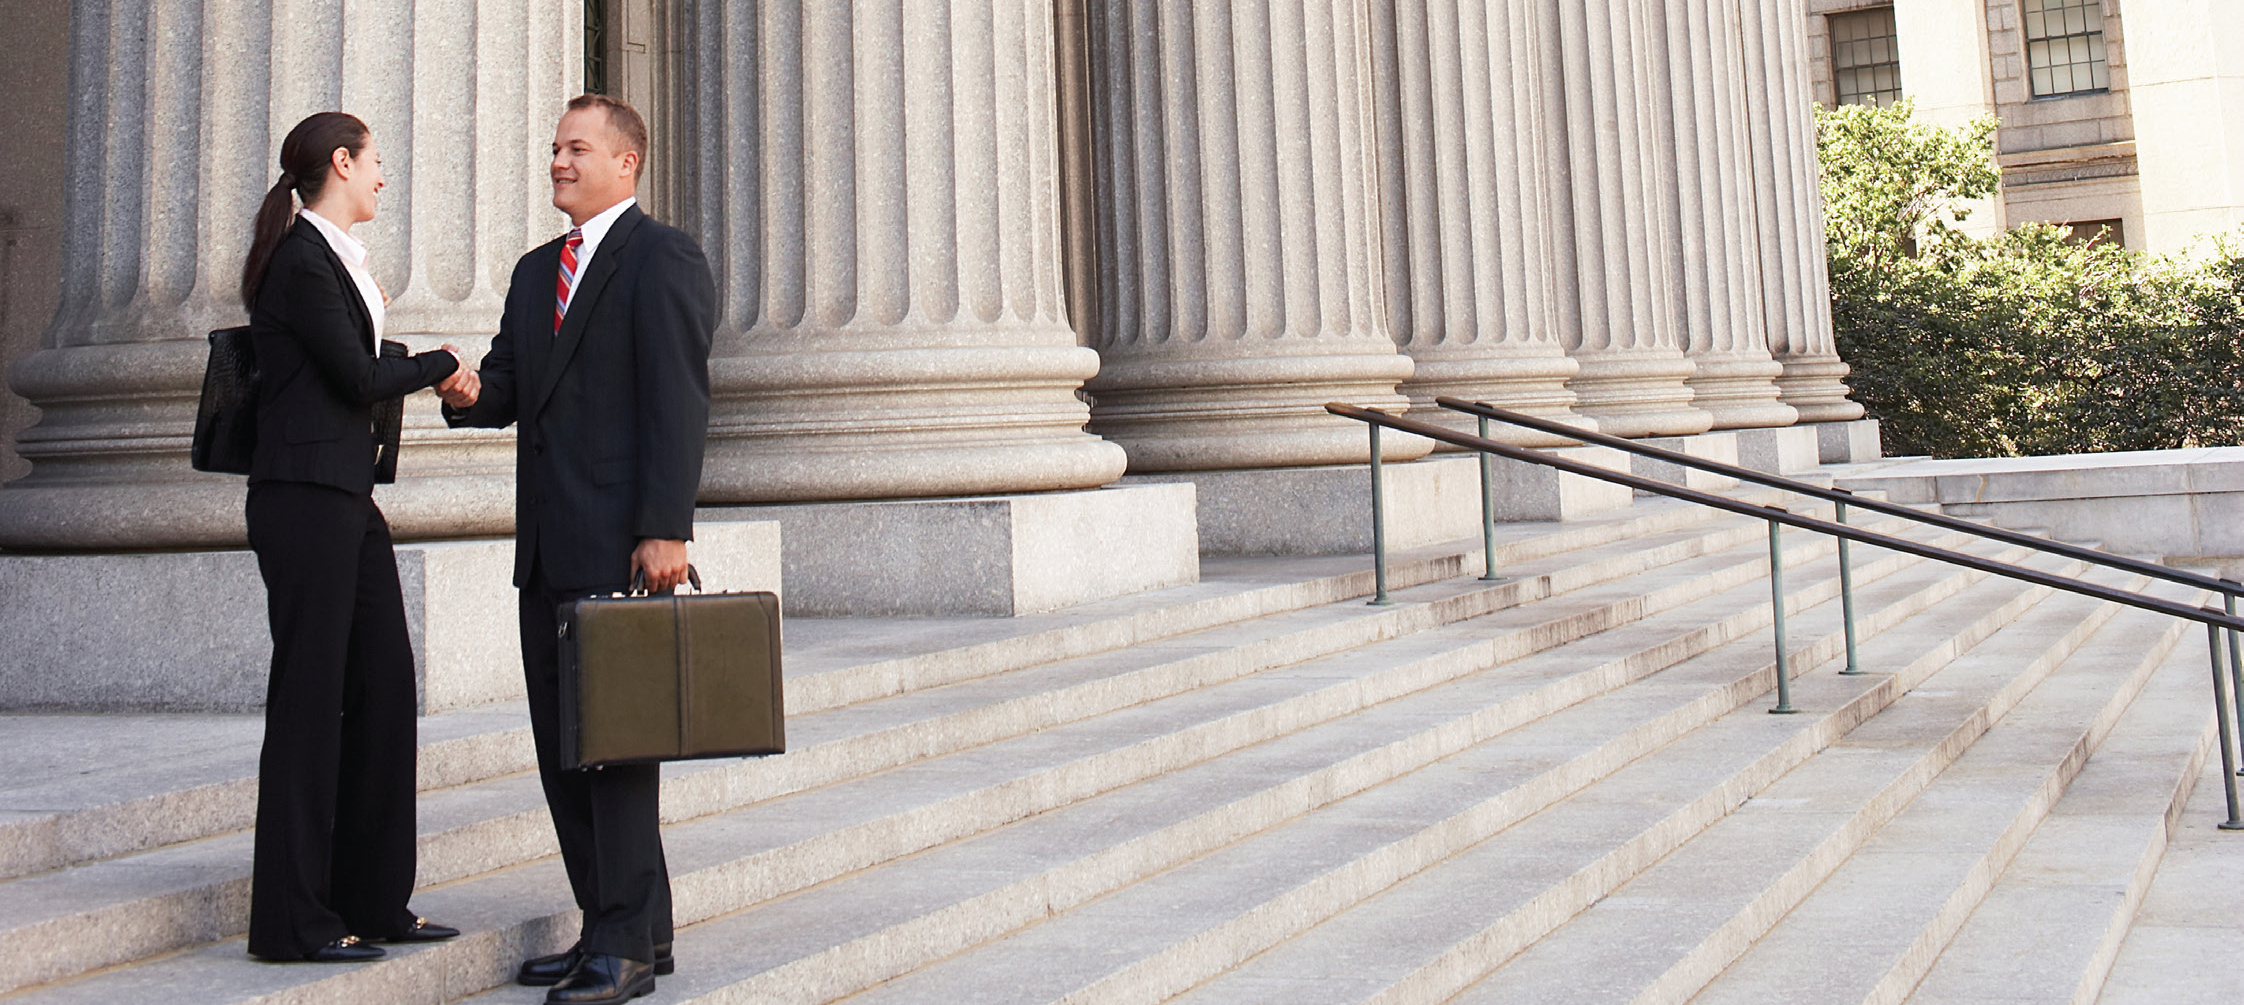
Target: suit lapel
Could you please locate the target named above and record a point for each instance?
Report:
(605, 260)
(345, 279)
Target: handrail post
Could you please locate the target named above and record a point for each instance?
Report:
(2226, 732)
(1378, 525)
(1487, 508)
(2235, 665)
(1846, 598)
(1776, 603)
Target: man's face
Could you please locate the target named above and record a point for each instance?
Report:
(592, 167)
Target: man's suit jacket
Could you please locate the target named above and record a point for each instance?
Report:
(613, 409)
(321, 379)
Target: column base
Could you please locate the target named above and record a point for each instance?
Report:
(104, 632)
(1173, 415)
(1739, 390)
(1814, 388)
(1635, 394)
(1530, 384)
(1000, 555)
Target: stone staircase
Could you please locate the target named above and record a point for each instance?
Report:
(1558, 786)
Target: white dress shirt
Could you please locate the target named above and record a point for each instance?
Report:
(595, 229)
(353, 255)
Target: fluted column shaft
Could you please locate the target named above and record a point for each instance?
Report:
(1715, 230)
(177, 115)
(1789, 206)
(1237, 234)
(1611, 189)
(1461, 156)
(877, 187)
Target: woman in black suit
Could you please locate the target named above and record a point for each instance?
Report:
(335, 826)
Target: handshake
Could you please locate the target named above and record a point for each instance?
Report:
(464, 385)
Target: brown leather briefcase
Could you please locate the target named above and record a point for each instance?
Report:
(670, 678)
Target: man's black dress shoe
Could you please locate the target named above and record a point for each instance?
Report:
(347, 949)
(601, 979)
(424, 930)
(546, 971)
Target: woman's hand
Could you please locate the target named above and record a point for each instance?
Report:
(464, 385)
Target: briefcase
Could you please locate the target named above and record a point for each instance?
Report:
(225, 438)
(670, 678)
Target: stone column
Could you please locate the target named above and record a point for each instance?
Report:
(1725, 334)
(1789, 205)
(178, 110)
(876, 185)
(1610, 185)
(1461, 148)
(1237, 235)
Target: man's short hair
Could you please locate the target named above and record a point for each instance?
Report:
(622, 118)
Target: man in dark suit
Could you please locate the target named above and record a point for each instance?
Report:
(602, 361)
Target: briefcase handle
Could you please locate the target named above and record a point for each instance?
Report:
(639, 580)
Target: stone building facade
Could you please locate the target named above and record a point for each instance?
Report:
(968, 250)
(2124, 117)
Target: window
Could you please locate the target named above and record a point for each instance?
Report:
(2065, 46)
(2096, 232)
(595, 46)
(1865, 63)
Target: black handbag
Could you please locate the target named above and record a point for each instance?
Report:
(646, 679)
(226, 419)
(389, 425)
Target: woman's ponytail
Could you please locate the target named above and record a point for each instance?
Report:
(305, 159)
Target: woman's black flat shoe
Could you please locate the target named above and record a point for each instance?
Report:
(347, 949)
(424, 930)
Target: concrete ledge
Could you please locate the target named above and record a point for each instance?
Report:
(982, 555)
(186, 631)
(2163, 502)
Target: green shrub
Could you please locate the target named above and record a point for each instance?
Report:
(2021, 343)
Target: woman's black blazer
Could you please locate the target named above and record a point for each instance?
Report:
(319, 375)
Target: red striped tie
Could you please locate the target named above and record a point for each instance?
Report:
(566, 282)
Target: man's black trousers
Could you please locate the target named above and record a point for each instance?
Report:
(335, 845)
(608, 818)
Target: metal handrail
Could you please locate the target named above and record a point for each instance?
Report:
(2216, 621)
(1845, 498)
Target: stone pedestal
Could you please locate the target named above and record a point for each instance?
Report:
(1237, 237)
(461, 98)
(1780, 451)
(1847, 442)
(1610, 192)
(1457, 102)
(186, 630)
(1721, 447)
(877, 187)
(981, 555)
(1789, 208)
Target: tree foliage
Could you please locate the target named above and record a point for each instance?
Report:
(2020, 343)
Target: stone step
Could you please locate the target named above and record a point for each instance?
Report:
(807, 853)
(1579, 842)
(1904, 891)
(92, 787)
(2182, 947)
(2054, 921)
(1231, 868)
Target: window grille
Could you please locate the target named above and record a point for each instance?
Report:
(2065, 46)
(1865, 62)
(595, 46)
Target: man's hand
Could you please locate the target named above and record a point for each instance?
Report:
(663, 562)
(464, 385)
